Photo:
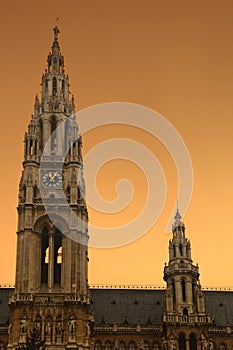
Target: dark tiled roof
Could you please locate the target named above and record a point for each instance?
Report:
(138, 305)
(219, 304)
(124, 305)
(4, 308)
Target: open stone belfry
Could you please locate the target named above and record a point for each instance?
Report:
(51, 296)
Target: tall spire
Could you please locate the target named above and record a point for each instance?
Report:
(177, 218)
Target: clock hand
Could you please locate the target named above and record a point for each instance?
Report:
(52, 178)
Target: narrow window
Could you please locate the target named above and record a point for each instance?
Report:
(194, 292)
(182, 342)
(174, 291)
(41, 134)
(54, 92)
(192, 342)
(57, 256)
(174, 251)
(183, 287)
(63, 88)
(31, 148)
(181, 249)
(44, 255)
(35, 192)
(53, 133)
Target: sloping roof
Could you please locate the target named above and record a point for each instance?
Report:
(219, 304)
(138, 305)
(123, 305)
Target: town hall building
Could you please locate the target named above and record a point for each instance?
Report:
(51, 295)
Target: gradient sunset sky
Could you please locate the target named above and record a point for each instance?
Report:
(173, 56)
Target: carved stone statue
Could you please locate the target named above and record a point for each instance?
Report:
(116, 344)
(164, 344)
(23, 325)
(204, 343)
(59, 328)
(88, 330)
(172, 344)
(141, 345)
(72, 325)
(48, 329)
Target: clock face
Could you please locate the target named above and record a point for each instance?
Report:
(52, 179)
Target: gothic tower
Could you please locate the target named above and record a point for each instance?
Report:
(51, 288)
(185, 319)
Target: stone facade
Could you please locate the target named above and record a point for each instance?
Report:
(51, 293)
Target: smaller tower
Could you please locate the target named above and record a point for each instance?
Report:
(183, 295)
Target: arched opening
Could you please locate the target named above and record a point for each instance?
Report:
(155, 346)
(182, 342)
(183, 288)
(53, 133)
(132, 346)
(122, 346)
(192, 342)
(97, 345)
(222, 347)
(146, 346)
(44, 255)
(108, 346)
(57, 256)
(54, 90)
(185, 312)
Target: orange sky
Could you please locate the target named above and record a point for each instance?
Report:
(173, 56)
